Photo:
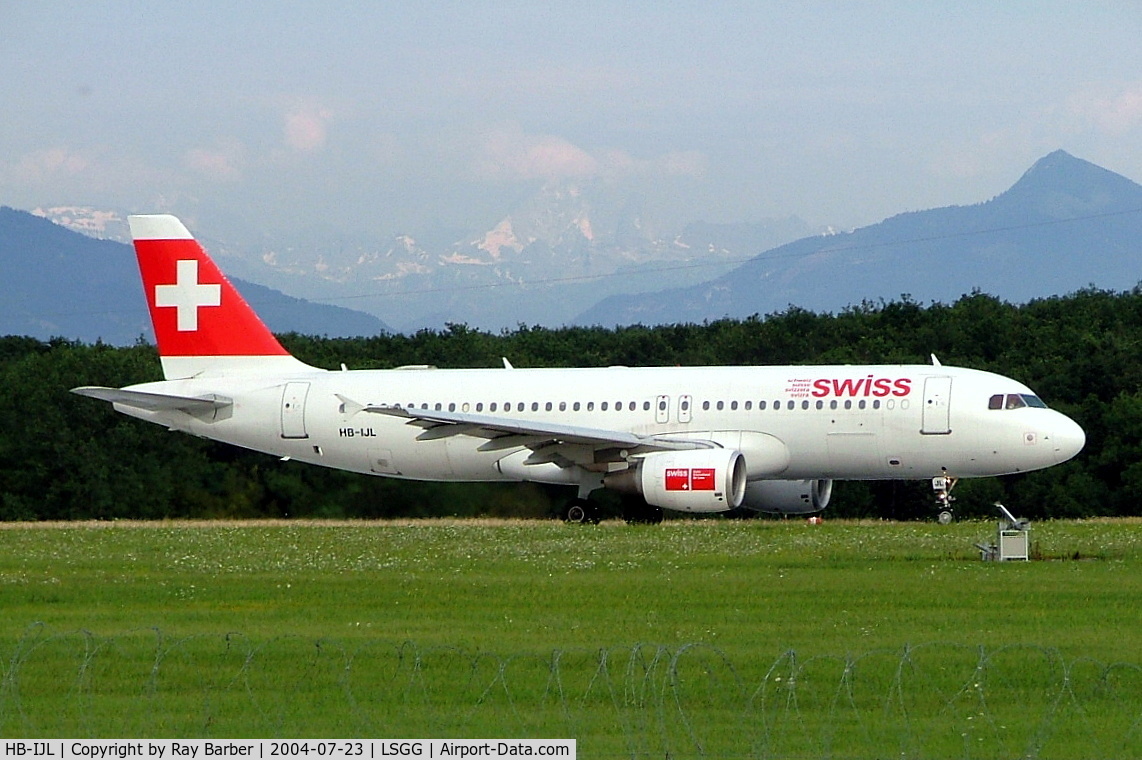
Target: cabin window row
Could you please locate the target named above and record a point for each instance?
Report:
(631, 406)
(804, 404)
(550, 406)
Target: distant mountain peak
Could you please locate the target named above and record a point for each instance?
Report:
(1060, 185)
(101, 224)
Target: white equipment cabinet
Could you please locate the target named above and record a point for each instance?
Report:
(1013, 539)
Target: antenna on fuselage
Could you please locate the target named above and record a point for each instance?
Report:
(935, 361)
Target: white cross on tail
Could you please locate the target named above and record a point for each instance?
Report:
(188, 295)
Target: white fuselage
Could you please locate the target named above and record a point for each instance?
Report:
(843, 422)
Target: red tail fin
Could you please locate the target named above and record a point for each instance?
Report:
(202, 324)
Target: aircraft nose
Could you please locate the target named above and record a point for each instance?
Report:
(1068, 438)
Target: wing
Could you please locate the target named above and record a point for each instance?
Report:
(564, 445)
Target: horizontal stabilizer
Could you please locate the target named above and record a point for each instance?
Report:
(157, 402)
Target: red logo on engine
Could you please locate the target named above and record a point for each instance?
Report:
(687, 479)
(678, 479)
(702, 479)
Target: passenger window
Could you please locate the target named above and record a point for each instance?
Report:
(575, 407)
(820, 404)
(721, 405)
(761, 405)
(632, 406)
(590, 406)
(748, 405)
(804, 404)
(833, 404)
(706, 406)
(603, 406)
(562, 406)
(438, 406)
(733, 406)
(548, 407)
(519, 407)
(789, 404)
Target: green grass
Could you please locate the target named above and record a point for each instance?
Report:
(689, 639)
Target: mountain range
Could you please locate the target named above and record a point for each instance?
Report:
(1066, 224)
(60, 283)
(554, 253)
(568, 255)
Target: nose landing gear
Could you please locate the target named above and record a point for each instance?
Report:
(943, 486)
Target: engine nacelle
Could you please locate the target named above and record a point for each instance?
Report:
(788, 497)
(698, 480)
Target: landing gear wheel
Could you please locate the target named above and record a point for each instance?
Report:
(581, 511)
(945, 517)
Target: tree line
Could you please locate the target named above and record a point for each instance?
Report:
(63, 457)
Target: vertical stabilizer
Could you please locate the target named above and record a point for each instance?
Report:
(202, 324)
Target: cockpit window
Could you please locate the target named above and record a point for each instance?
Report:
(1015, 401)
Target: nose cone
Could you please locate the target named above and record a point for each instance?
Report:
(1067, 438)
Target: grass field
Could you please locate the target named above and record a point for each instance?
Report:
(704, 638)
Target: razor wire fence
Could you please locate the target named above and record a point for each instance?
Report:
(934, 700)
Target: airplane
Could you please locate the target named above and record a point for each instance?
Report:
(688, 439)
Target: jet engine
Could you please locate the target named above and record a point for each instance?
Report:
(788, 497)
(699, 480)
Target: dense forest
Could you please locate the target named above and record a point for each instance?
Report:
(66, 457)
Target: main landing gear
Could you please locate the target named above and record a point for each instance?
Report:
(635, 511)
(581, 511)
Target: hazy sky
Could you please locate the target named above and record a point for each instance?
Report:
(404, 115)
